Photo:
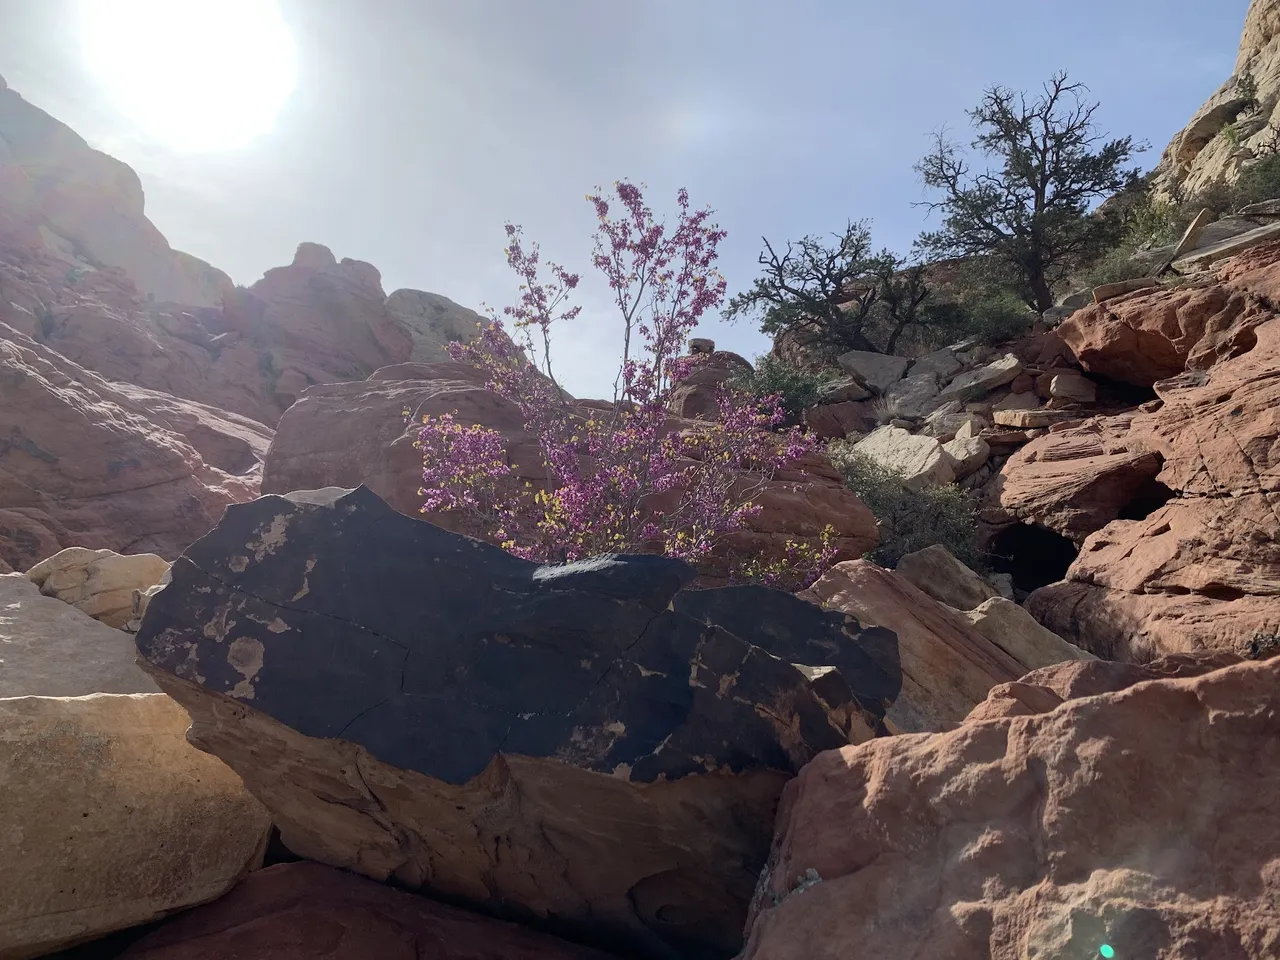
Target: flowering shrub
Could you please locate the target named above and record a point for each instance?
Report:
(628, 477)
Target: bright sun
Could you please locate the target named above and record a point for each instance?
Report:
(193, 74)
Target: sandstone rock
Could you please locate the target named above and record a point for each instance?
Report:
(1049, 687)
(1033, 419)
(1141, 819)
(935, 571)
(1017, 633)
(842, 390)
(112, 819)
(702, 345)
(1072, 386)
(968, 454)
(572, 743)
(99, 583)
(306, 911)
(1110, 290)
(835, 421)
(695, 397)
(87, 207)
(877, 371)
(978, 383)
(913, 396)
(348, 434)
(434, 322)
(941, 364)
(89, 463)
(1022, 383)
(920, 459)
(1017, 401)
(1265, 208)
(1075, 481)
(50, 649)
(971, 427)
(949, 426)
(1208, 256)
(947, 666)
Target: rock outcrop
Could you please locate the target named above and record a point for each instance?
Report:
(434, 322)
(86, 209)
(1141, 820)
(99, 583)
(581, 744)
(85, 462)
(306, 911)
(348, 434)
(696, 397)
(1202, 153)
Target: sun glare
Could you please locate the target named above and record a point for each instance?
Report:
(195, 75)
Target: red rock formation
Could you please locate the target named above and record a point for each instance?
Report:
(85, 462)
(305, 911)
(694, 398)
(1143, 819)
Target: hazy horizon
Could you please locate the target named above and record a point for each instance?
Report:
(415, 130)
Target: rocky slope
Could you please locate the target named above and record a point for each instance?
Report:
(1202, 152)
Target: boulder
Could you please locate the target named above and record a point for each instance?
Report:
(433, 323)
(947, 666)
(920, 459)
(307, 911)
(914, 396)
(1109, 291)
(878, 371)
(584, 744)
(696, 397)
(1072, 386)
(1022, 383)
(935, 571)
(99, 583)
(1033, 419)
(112, 819)
(976, 384)
(1017, 633)
(1143, 820)
(835, 421)
(1017, 401)
(100, 465)
(842, 390)
(1207, 256)
(1077, 480)
(51, 649)
(941, 364)
(968, 455)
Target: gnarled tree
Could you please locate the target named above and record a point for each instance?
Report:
(1030, 207)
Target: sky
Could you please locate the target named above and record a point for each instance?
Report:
(417, 128)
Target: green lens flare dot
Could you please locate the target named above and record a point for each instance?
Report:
(1106, 950)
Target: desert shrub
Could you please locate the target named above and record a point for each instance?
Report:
(995, 317)
(796, 390)
(1114, 266)
(1258, 182)
(910, 520)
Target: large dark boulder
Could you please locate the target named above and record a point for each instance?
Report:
(593, 747)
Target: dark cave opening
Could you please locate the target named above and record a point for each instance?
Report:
(1147, 499)
(1034, 556)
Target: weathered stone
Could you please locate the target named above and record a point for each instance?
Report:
(99, 583)
(434, 322)
(1207, 256)
(842, 390)
(1264, 208)
(914, 396)
(876, 370)
(696, 397)
(112, 819)
(1072, 386)
(1022, 383)
(967, 454)
(575, 742)
(935, 571)
(306, 911)
(947, 666)
(835, 421)
(978, 383)
(50, 649)
(942, 364)
(1109, 291)
(952, 425)
(1033, 419)
(1017, 401)
(920, 459)
(1017, 633)
(1143, 820)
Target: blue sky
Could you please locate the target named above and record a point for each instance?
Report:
(419, 126)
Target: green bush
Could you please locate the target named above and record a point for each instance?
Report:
(996, 317)
(1114, 266)
(910, 520)
(1258, 182)
(773, 375)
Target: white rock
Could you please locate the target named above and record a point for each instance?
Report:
(50, 649)
(972, 427)
(914, 396)
(939, 574)
(968, 454)
(978, 383)
(112, 819)
(1072, 386)
(877, 370)
(941, 363)
(844, 389)
(920, 459)
(1017, 401)
(1018, 634)
(100, 583)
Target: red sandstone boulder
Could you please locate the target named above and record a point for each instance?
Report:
(85, 462)
(1143, 819)
(306, 911)
(695, 397)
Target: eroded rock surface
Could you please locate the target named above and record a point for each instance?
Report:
(1142, 819)
(557, 743)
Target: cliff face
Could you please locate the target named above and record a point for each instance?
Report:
(1236, 125)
